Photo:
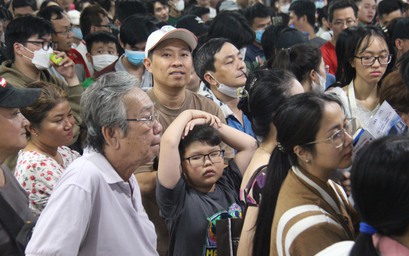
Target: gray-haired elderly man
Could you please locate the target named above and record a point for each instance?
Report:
(96, 208)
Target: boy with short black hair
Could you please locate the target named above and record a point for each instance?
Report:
(102, 51)
(193, 187)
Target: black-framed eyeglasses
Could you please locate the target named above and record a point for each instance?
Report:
(44, 44)
(65, 32)
(150, 120)
(370, 60)
(338, 138)
(200, 159)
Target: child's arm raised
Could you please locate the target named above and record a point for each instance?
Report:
(240, 141)
(169, 160)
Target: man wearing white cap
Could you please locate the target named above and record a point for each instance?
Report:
(168, 54)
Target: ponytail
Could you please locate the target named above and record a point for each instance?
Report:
(277, 171)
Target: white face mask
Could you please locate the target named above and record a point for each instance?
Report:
(103, 60)
(180, 5)
(284, 8)
(41, 58)
(227, 90)
(321, 86)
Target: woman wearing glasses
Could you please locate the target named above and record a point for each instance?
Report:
(310, 211)
(368, 57)
(194, 189)
(41, 163)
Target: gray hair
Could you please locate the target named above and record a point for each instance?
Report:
(102, 105)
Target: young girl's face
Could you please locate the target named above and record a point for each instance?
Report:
(203, 166)
(362, 62)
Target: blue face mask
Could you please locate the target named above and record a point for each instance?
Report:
(77, 32)
(259, 34)
(135, 57)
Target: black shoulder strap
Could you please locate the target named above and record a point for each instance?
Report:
(9, 219)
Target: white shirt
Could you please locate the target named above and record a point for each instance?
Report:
(92, 211)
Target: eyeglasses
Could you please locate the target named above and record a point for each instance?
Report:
(44, 44)
(149, 120)
(348, 23)
(200, 159)
(338, 138)
(65, 32)
(370, 60)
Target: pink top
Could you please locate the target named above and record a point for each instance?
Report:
(389, 247)
(38, 173)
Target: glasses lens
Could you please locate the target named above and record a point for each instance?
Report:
(338, 138)
(349, 125)
(199, 160)
(215, 156)
(385, 59)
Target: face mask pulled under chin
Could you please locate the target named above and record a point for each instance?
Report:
(41, 59)
(227, 90)
(319, 87)
(103, 60)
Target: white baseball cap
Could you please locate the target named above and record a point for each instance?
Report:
(74, 17)
(169, 32)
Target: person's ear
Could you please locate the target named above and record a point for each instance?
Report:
(89, 57)
(351, 62)
(210, 79)
(92, 29)
(398, 43)
(112, 136)
(148, 64)
(313, 75)
(303, 154)
(303, 18)
(32, 130)
(18, 49)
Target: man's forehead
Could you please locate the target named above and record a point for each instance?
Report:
(344, 12)
(173, 43)
(227, 50)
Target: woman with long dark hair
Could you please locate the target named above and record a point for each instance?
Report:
(267, 90)
(367, 59)
(302, 211)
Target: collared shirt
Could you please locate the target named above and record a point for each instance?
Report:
(93, 211)
(231, 119)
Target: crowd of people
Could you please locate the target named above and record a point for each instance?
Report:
(202, 127)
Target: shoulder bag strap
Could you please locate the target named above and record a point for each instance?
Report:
(9, 219)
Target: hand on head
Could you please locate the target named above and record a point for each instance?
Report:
(200, 117)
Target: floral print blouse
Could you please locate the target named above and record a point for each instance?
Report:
(38, 173)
